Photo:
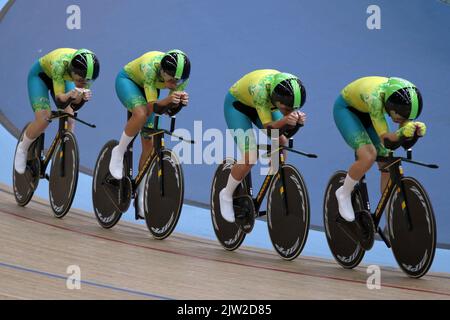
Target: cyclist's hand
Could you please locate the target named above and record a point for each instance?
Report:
(409, 129)
(301, 118)
(292, 118)
(421, 129)
(175, 98)
(87, 95)
(75, 94)
(184, 98)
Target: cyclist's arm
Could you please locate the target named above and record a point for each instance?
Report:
(379, 121)
(154, 105)
(391, 140)
(151, 94)
(265, 115)
(275, 124)
(263, 108)
(62, 98)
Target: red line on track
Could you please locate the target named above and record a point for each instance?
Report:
(219, 260)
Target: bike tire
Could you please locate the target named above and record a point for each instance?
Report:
(106, 209)
(345, 251)
(288, 231)
(24, 185)
(229, 235)
(62, 189)
(413, 249)
(163, 212)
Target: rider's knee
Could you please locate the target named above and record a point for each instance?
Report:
(368, 155)
(283, 140)
(140, 114)
(42, 118)
(251, 157)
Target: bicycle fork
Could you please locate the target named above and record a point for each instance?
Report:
(397, 173)
(63, 125)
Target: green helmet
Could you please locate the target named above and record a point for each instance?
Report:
(403, 97)
(176, 64)
(85, 63)
(288, 90)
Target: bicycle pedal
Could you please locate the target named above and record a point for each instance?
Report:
(366, 229)
(348, 228)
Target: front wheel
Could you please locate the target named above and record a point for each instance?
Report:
(64, 175)
(288, 226)
(163, 199)
(345, 251)
(413, 246)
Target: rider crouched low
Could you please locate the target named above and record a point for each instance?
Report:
(65, 73)
(138, 86)
(269, 99)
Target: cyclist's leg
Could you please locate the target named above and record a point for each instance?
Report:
(242, 132)
(39, 99)
(277, 116)
(381, 151)
(241, 127)
(40, 102)
(282, 140)
(147, 149)
(132, 98)
(146, 141)
(356, 136)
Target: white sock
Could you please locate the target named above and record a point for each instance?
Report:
(349, 185)
(123, 143)
(26, 142)
(232, 184)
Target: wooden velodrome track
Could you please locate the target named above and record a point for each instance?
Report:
(127, 263)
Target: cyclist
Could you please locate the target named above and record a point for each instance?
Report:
(67, 74)
(270, 99)
(138, 86)
(359, 114)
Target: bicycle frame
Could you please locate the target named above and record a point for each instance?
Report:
(158, 149)
(45, 160)
(62, 129)
(395, 182)
(267, 182)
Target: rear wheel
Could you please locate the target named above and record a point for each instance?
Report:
(25, 184)
(346, 252)
(230, 235)
(110, 197)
